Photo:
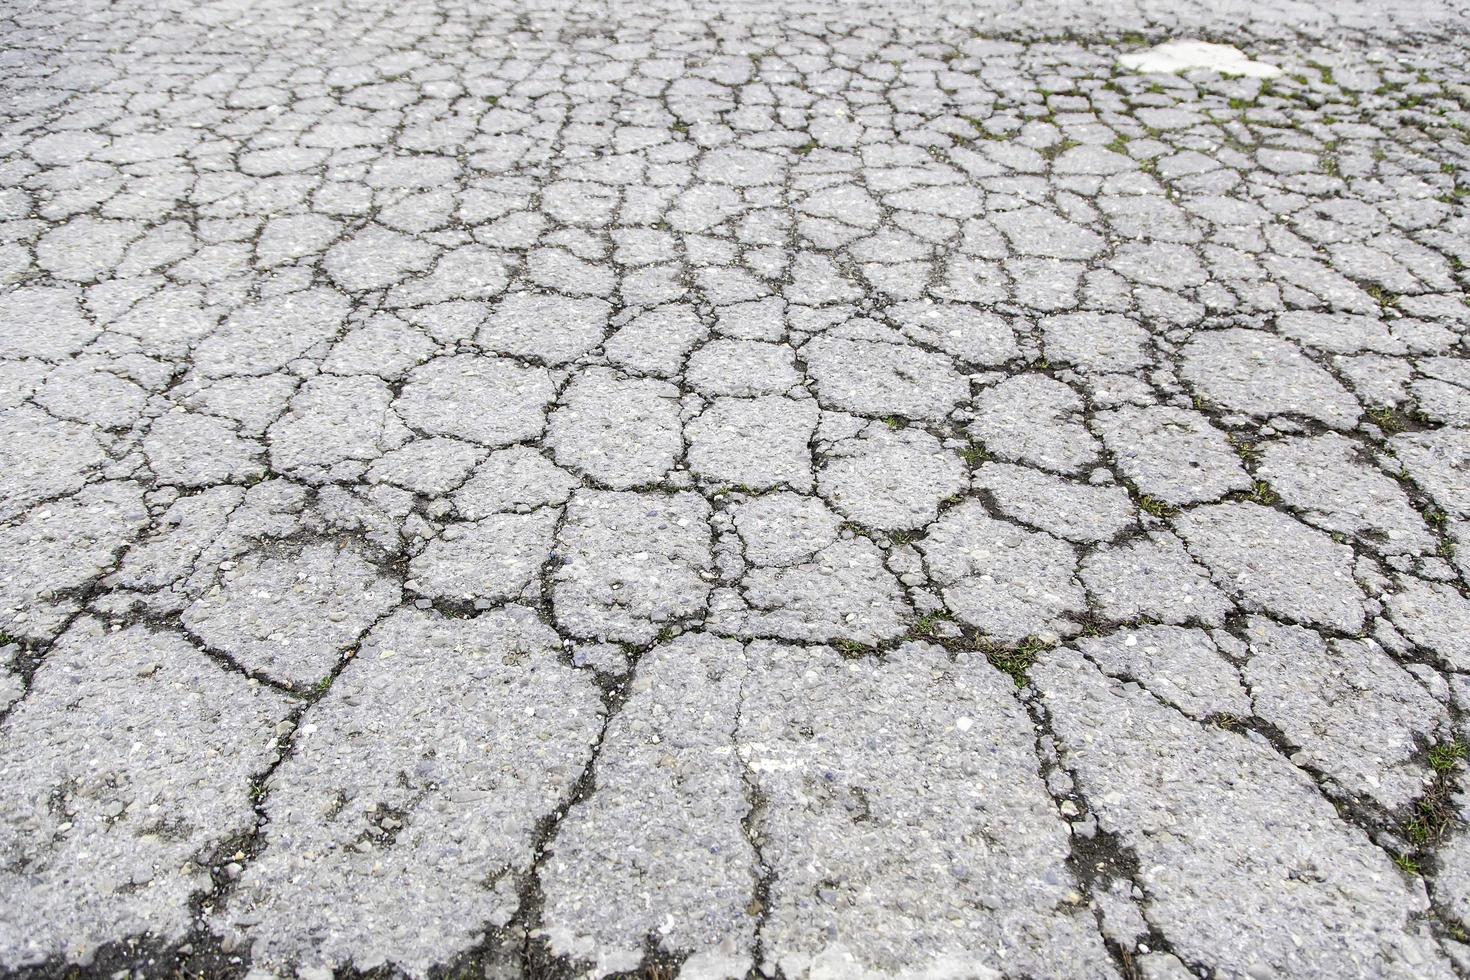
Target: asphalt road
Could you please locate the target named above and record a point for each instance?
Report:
(813, 490)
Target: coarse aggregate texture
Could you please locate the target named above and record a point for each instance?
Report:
(728, 489)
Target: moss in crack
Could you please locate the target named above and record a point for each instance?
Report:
(1385, 300)
(1392, 421)
(1386, 419)
(1155, 507)
(1057, 149)
(1261, 493)
(853, 648)
(1439, 523)
(1248, 452)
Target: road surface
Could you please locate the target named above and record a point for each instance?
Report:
(718, 489)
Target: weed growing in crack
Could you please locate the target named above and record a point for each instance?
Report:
(1439, 522)
(929, 626)
(1443, 758)
(974, 455)
(1435, 810)
(1016, 662)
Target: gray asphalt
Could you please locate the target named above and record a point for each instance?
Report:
(733, 489)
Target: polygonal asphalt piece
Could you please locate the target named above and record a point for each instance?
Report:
(127, 765)
(552, 329)
(630, 562)
(50, 556)
(1220, 823)
(842, 755)
(414, 791)
(1275, 563)
(1152, 577)
(1334, 484)
(489, 400)
(1006, 581)
(1035, 420)
(1254, 372)
(289, 617)
(672, 792)
(842, 592)
(1182, 667)
(491, 560)
(759, 442)
(1357, 715)
(1075, 511)
(622, 432)
(883, 379)
(51, 457)
(1173, 455)
(890, 479)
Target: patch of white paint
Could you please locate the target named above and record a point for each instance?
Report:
(1176, 56)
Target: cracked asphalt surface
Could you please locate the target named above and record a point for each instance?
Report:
(718, 489)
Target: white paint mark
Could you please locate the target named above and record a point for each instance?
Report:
(1176, 56)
